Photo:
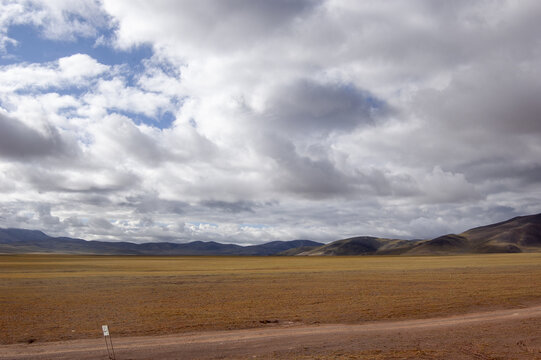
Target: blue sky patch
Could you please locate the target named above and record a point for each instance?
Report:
(162, 121)
(32, 47)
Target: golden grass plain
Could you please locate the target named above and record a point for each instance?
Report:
(60, 297)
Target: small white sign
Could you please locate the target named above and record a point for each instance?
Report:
(105, 329)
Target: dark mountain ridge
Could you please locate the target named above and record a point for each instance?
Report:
(35, 241)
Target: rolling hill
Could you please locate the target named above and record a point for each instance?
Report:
(361, 245)
(520, 234)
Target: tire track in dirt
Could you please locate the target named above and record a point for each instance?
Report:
(205, 344)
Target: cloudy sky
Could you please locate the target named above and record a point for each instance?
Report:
(246, 121)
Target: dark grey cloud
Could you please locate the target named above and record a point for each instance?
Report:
(485, 125)
(424, 38)
(313, 178)
(73, 222)
(150, 203)
(234, 24)
(78, 181)
(99, 223)
(229, 206)
(495, 97)
(18, 141)
(46, 220)
(307, 106)
(93, 199)
(145, 222)
(138, 144)
(383, 183)
(498, 168)
(241, 19)
(44, 213)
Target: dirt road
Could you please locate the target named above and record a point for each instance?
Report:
(504, 334)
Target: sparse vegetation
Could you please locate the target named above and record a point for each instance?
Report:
(53, 297)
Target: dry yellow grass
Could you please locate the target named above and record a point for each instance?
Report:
(49, 297)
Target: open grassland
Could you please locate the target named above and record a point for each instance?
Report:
(52, 297)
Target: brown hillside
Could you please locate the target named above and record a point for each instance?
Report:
(520, 234)
(362, 245)
(522, 231)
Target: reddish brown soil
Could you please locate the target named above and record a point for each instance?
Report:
(503, 334)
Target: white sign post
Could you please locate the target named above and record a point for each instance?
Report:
(106, 335)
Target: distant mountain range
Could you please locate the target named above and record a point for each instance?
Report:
(21, 241)
(520, 234)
